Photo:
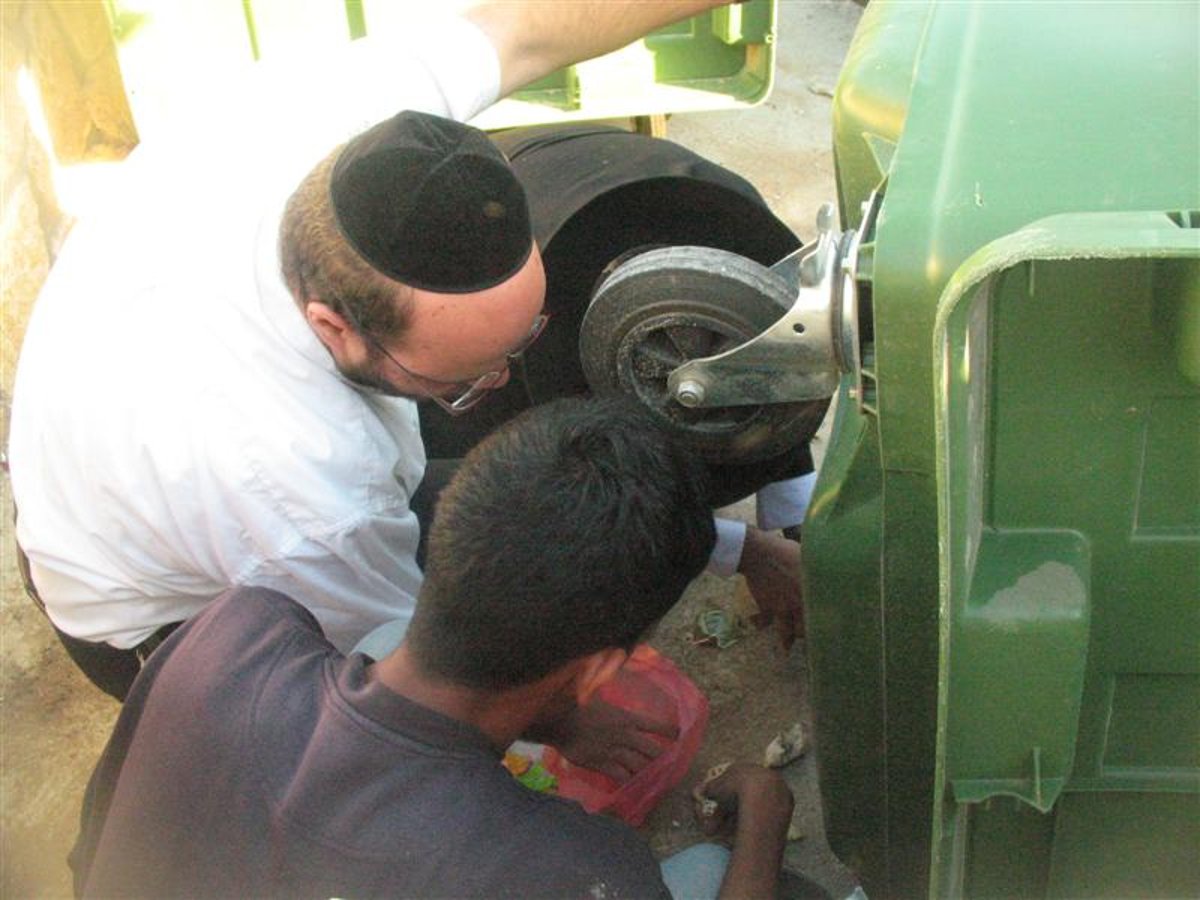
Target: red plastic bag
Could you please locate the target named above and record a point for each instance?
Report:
(651, 685)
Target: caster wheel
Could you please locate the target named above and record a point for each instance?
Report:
(667, 306)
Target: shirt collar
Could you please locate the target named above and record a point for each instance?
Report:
(397, 713)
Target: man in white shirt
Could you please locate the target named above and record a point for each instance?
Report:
(185, 419)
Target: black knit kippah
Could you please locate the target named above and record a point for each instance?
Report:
(432, 203)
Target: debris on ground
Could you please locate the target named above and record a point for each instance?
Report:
(717, 628)
(706, 807)
(785, 747)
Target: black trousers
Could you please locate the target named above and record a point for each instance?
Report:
(109, 668)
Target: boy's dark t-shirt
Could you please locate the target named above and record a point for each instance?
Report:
(251, 759)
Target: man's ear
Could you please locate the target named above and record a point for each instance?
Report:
(596, 670)
(334, 331)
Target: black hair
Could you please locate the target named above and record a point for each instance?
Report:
(572, 528)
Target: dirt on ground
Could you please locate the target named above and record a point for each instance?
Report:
(755, 691)
(53, 726)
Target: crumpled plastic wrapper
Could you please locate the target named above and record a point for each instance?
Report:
(785, 747)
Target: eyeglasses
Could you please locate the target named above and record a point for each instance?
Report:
(472, 391)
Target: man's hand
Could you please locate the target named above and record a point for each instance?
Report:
(610, 740)
(771, 566)
(759, 801)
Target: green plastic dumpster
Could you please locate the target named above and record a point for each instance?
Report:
(1003, 553)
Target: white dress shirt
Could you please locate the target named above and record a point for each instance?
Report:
(177, 427)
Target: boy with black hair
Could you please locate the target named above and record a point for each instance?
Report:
(253, 759)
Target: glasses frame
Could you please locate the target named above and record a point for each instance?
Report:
(474, 390)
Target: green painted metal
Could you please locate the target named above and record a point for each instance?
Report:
(1008, 535)
(356, 20)
(721, 59)
(251, 29)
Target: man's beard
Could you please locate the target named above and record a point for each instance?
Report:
(366, 377)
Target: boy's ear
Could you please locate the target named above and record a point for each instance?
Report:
(595, 670)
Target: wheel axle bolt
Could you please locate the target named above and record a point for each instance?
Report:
(690, 393)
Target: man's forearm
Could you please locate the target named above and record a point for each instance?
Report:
(536, 37)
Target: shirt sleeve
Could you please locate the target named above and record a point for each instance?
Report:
(352, 579)
(727, 552)
(782, 504)
(440, 63)
(276, 118)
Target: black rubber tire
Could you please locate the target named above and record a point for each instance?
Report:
(595, 195)
(666, 306)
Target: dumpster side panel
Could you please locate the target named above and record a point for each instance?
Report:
(979, 123)
(843, 621)
(1071, 433)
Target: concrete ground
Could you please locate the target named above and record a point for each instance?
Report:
(53, 723)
